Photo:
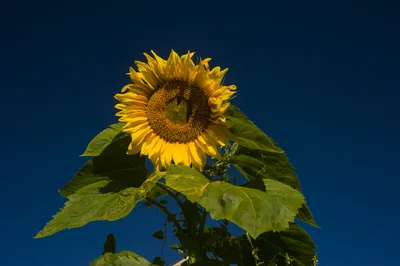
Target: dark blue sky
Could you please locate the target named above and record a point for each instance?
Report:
(320, 78)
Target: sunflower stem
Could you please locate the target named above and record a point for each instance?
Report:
(202, 222)
(166, 211)
(171, 193)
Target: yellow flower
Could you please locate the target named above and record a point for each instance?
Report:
(175, 110)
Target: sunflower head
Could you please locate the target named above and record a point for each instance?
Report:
(174, 110)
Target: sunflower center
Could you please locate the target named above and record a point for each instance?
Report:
(178, 112)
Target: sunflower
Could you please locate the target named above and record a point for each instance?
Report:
(174, 110)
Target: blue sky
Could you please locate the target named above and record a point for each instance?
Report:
(320, 78)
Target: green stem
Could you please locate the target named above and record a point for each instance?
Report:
(202, 222)
(254, 250)
(166, 211)
(171, 193)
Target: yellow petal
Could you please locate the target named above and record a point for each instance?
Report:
(185, 154)
(157, 147)
(139, 134)
(218, 135)
(136, 89)
(160, 60)
(134, 118)
(207, 148)
(146, 143)
(211, 145)
(172, 70)
(198, 157)
(136, 147)
(136, 121)
(149, 147)
(167, 155)
(177, 154)
(193, 152)
(140, 127)
(148, 74)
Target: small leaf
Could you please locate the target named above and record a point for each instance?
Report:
(163, 202)
(158, 261)
(305, 215)
(89, 204)
(253, 210)
(124, 258)
(110, 245)
(159, 235)
(103, 139)
(174, 246)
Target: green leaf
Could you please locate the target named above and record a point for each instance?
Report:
(293, 244)
(235, 112)
(89, 204)
(110, 245)
(112, 165)
(189, 181)
(174, 246)
(159, 235)
(249, 135)
(103, 139)
(163, 202)
(305, 215)
(158, 261)
(258, 165)
(273, 248)
(253, 210)
(256, 168)
(124, 258)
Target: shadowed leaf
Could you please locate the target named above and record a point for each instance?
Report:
(159, 234)
(110, 245)
(248, 134)
(113, 165)
(158, 261)
(293, 244)
(103, 139)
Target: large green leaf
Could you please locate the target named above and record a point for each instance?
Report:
(89, 204)
(113, 165)
(253, 210)
(124, 258)
(103, 139)
(257, 164)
